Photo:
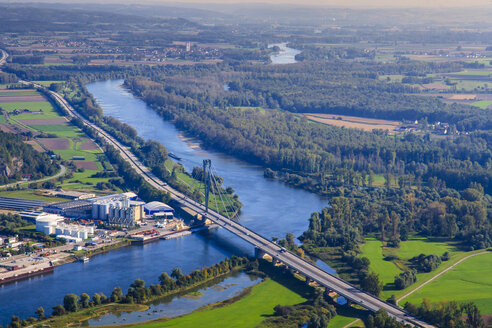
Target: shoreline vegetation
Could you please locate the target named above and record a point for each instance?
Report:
(290, 290)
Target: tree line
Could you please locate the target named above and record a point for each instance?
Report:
(138, 292)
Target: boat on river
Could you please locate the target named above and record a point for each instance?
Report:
(173, 155)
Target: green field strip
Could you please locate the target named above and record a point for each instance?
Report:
(471, 280)
(483, 104)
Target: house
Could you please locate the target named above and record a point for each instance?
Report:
(26, 177)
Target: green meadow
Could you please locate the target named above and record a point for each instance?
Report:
(483, 104)
(249, 311)
(471, 280)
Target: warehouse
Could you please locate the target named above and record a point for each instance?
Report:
(33, 216)
(158, 209)
(73, 209)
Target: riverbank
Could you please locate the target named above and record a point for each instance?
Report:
(84, 315)
(248, 309)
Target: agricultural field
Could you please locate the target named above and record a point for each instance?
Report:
(366, 124)
(26, 110)
(484, 104)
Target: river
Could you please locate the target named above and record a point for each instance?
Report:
(286, 55)
(270, 208)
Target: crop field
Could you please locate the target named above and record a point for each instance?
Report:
(366, 124)
(470, 280)
(70, 141)
(484, 104)
(13, 98)
(44, 121)
(249, 311)
(54, 143)
(461, 97)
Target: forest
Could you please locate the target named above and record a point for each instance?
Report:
(17, 158)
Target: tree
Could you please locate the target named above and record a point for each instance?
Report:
(84, 300)
(70, 302)
(15, 322)
(96, 299)
(40, 313)
(473, 316)
(167, 283)
(372, 284)
(59, 310)
(116, 295)
(176, 273)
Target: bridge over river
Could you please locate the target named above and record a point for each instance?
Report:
(261, 244)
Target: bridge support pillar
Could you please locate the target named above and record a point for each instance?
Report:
(259, 253)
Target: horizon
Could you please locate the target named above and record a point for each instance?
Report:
(381, 4)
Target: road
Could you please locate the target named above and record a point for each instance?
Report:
(3, 59)
(261, 243)
(62, 171)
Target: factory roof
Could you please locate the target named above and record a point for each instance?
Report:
(35, 215)
(158, 207)
(71, 204)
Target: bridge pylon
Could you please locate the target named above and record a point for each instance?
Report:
(207, 164)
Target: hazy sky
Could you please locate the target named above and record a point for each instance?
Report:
(351, 3)
(338, 3)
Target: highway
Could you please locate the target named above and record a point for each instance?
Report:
(293, 261)
(311, 271)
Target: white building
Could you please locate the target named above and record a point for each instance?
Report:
(47, 223)
(54, 225)
(101, 205)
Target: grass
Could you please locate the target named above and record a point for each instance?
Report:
(473, 73)
(35, 105)
(249, 311)
(373, 250)
(22, 93)
(471, 280)
(470, 85)
(415, 246)
(245, 108)
(62, 130)
(69, 319)
(31, 194)
(483, 104)
(47, 83)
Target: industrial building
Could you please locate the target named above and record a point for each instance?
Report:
(74, 209)
(125, 216)
(118, 209)
(158, 209)
(53, 224)
(33, 216)
(19, 204)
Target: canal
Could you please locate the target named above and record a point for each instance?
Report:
(271, 208)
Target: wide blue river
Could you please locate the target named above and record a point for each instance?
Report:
(270, 208)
